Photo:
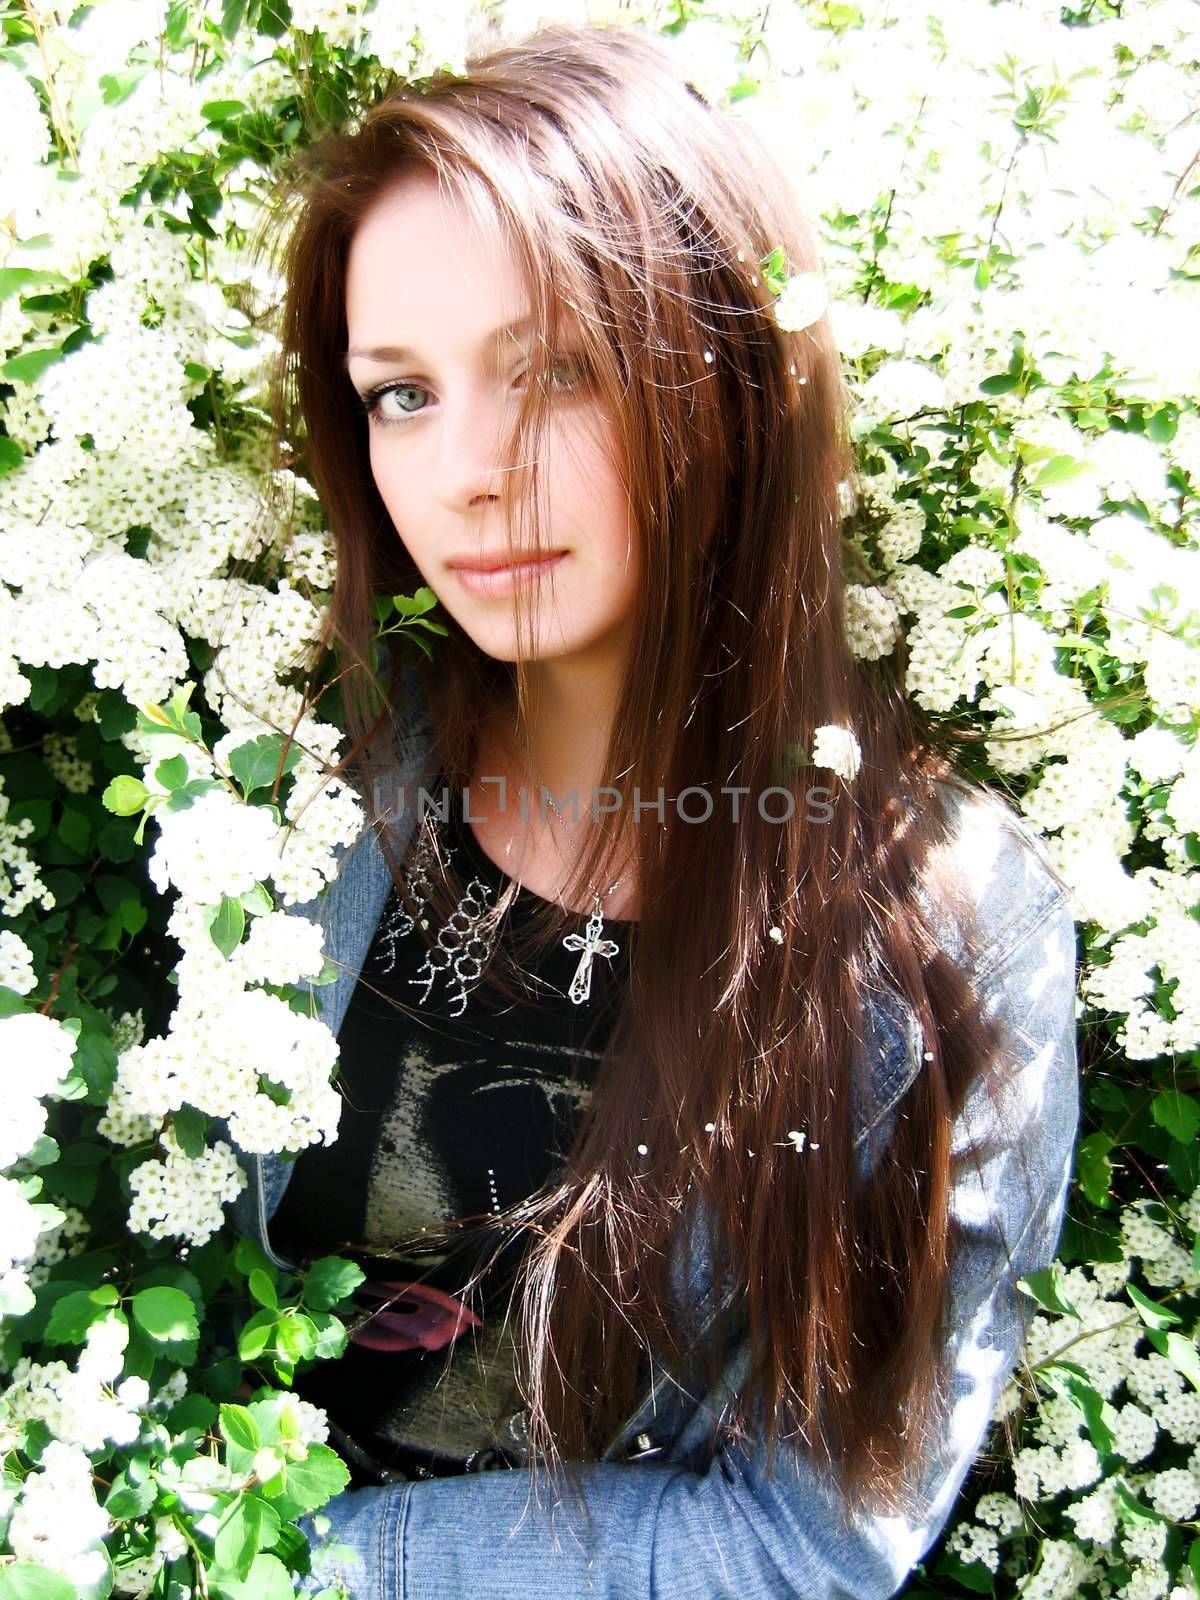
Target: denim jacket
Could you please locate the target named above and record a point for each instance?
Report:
(666, 1518)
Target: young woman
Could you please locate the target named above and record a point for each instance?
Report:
(695, 1131)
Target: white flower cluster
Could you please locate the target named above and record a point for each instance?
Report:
(216, 846)
(61, 755)
(215, 1057)
(57, 1242)
(872, 622)
(20, 882)
(16, 964)
(87, 1407)
(107, 610)
(1148, 1406)
(57, 1521)
(837, 748)
(37, 1053)
(184, 1196)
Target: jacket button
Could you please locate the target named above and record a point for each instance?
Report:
(643, 1445)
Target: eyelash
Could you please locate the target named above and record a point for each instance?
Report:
(368, 403)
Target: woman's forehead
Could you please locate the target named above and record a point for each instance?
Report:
(421, 254)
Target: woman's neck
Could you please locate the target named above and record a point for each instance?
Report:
(537, 839)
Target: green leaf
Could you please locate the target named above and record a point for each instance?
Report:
(1094, 1167)
(127, 1500)
(191, 1131)
(118, 86)
(43, 1152)
(96, 1059)
(316, 1479)
(417, 604)
(1045, 1286)
(193, 1411)
(255, 764)
(247, 1525)
(262, 1288)
(1073, 1382)
(268, 1580)
(971, 1574)
(228, 925)
(14, 279)
(222, 110)
(256, 1335)
(72, 1316)
(124, 795)
(29, 366)
(1178, 1113)
(332, 1336)
(240, 1428)
(23, 1580)
(11, 455)
(1131, 1508)
(257, 901)
(1153, 1315)
(165, 1315)
(329, 1281)
(1059, 469)
(296, 1336)
(1183, 1355)
(248, 1254)
(172, 772)
(74, 830)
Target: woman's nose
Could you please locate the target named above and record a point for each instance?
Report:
(473, 447)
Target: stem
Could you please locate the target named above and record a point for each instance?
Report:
(212, 377)
(1109, 1327)
(62, 128)
(197, 1554)
(56, 981)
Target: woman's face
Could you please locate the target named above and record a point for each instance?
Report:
(425, 297)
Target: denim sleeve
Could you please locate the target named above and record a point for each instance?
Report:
(659, 1531)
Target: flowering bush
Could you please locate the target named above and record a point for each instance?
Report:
(1007, 199)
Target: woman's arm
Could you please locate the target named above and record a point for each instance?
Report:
(664, 1532)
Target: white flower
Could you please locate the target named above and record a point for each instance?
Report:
(185, 1198)
(58, 1523)
(216, 846)
(281, 948)
(1134, 1433)
(16, 966)
(35, 1057)
(20, 1224)
(838, 749)
(804, 300)
(1174, 1493)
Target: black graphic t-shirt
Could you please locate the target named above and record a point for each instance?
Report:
(457, 1101)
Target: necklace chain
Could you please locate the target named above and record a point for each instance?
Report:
(591, 942)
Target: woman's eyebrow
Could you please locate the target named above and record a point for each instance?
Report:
(399, 352)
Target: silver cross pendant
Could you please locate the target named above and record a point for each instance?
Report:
(590, 944)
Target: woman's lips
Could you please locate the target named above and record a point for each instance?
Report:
(502, 580)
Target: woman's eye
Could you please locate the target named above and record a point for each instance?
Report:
(566, 373)
(571, 369)
(372, 402)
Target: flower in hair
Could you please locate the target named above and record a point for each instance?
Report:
(805, 299)
(838, 749)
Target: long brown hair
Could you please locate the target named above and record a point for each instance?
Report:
(628, 197)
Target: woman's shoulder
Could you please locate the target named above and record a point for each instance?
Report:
(998, 865)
